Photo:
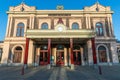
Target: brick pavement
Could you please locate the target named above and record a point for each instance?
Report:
(60, 73)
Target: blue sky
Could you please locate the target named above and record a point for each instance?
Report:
(51, 4)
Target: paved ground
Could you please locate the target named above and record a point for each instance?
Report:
(61, 73)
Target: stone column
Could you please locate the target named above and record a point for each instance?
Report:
(54, 55)
(87, 22)
(49, 51)
(33, 20)
(30, 22)
(114, 52)
(65, 56)
(82, 58)
(109, 26)
(69, 56)
(37, 56)
(30, 52)
(10, 26)
(5, 54)
(55, 50)
(71, 50)
(90, 55)
(7, 30)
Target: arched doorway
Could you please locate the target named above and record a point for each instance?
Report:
(77, 55)
(43, 59)
(60, 55)
(17, 55)
(102, 54)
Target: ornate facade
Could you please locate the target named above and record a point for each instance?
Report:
(59, 37)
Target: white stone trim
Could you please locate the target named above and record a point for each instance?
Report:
(90, 52)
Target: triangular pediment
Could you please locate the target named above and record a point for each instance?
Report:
(97, 5)
(22, 6)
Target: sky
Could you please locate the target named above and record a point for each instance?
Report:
(51, 5)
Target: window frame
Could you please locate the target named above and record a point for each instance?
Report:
(20, 30)
(99, 29)
(43, 26)
(74, 26)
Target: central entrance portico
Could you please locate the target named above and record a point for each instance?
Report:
(64, 47)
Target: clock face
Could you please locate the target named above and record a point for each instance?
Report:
(60, 28)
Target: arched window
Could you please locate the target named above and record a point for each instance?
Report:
(75, 26)
(20, 30)
(0, 53)
(99, 29)
(44, 26)
(17, 55)
(102, 53)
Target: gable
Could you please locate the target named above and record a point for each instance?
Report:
(24, 6)
(97, 5)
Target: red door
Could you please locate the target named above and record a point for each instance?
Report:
(43, 58)
(77, 57)
(60, 58)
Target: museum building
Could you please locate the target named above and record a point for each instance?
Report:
(59, 37)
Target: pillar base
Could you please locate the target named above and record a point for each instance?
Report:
(72, 66)
(48, 66)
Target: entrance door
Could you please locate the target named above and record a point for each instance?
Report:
(43, 58)
(60, 58)
(77, 57)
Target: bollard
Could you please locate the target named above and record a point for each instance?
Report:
(100, 70)
(22, 72)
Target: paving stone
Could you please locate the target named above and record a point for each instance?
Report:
(61, 73)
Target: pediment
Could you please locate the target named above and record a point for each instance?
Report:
(93, 7)
(24, 6)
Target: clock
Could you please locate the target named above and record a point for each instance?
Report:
(60, 28)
